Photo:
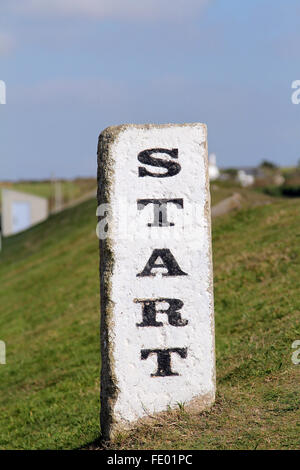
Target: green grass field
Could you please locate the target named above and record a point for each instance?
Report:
(49, 389)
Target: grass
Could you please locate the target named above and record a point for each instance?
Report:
(49, 389)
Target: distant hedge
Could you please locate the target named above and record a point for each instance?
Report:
(283, 191)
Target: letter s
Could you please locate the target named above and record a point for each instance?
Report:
(173, 168)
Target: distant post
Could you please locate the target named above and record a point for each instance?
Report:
(2, 352)
(157, 313)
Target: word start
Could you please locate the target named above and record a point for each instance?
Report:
(161, 259)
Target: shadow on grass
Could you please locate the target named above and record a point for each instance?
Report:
(97, 444)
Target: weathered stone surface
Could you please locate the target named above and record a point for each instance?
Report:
(157, 321)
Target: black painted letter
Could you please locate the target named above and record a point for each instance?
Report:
(173, 168)
(160, 210)
(164, 360)
(168, 262)
(150, 312)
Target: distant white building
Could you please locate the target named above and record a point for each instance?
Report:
(245, 179)
(21, 211)
(278, 179)
(213, 169)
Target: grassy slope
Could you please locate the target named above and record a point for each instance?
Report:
(250, 197)
(49, 320)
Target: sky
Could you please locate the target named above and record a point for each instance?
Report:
(75, 67)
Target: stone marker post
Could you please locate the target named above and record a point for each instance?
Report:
(157, 317)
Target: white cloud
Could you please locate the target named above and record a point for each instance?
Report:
(6, 43)
(113, 9)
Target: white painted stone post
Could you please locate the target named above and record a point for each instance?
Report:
(157, 316)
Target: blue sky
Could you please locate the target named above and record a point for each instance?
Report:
(74, 67)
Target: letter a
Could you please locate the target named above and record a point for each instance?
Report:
(168, 262)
